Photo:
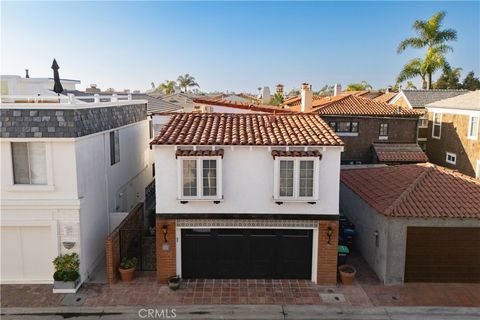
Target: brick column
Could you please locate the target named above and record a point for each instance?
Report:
(166, 260)
(327, 253)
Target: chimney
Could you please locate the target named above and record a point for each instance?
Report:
(389, 89)
(279, 89)
(337, 89)
(307, 97)
(26, 74)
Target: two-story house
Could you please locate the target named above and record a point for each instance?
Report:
(453, 133)
(69, 170)
(247, 196)
(373, 131)
(417, 100)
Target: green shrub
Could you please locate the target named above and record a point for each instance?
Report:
(67, 267)
(128, 263)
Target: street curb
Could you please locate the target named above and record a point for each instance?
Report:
(123, 310)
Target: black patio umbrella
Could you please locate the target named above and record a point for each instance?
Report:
(57, 87)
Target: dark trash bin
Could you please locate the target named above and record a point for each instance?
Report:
(343, 252)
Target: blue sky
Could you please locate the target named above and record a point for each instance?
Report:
(236, 46)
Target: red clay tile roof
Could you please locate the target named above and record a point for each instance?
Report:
(241, 105)
(357, 106)
(399, 152)
(386, 97)
(416, 191)
(281, 153)
(199, 153)
(247, 129)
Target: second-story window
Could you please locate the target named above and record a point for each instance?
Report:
(200, 178)
(29, 163)
(437, 125)
(383, 129)
(473, 127)
(114, 147)
(295, 178)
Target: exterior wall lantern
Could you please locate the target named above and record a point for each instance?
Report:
(329, 234)
(165, 246)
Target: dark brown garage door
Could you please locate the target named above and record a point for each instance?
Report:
(246, 253)
(442, 255)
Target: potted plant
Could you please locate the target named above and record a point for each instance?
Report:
(66, 277)
(127, 268)
(174, 282)
(347, 273)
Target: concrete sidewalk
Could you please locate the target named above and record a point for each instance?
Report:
(280, 312)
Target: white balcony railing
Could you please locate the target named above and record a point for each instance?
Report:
(68, 99)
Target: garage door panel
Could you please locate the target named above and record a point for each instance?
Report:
(442, 255)
(252, 253)
(12, 262)
(26, 254)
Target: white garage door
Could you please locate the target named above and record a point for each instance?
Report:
(26, 254)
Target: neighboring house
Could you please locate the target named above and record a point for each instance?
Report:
(453, 133)
(386, 97)
(184, 100)
(70, 171)
(158, 105)
(366, 126)
(363, 123)
(247, 196)
(223, 105)
(14, 85)
(417, 100)
(415, 223)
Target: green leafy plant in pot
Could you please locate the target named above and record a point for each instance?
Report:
(66, 277)
(127, 268)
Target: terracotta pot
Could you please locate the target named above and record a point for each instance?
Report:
(347, 274)
(126, 274)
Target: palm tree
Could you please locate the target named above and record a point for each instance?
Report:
(168, 87)
(187, 81)
(410, 85)
(431, 36)
(359, 86)
(434, 60)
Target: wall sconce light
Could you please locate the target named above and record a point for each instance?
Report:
(376, 238)
(329, 234)
(165, 246)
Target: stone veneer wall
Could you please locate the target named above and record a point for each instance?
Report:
(67, 123)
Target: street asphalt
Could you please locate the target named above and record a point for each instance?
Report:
(257, 312)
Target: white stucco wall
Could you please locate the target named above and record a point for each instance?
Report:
(367, 221)
(248, 178)
(104, 188)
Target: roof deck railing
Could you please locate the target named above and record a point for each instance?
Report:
(68, 99)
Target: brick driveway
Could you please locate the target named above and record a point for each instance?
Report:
(144, 291)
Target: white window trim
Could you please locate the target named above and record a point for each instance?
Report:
(12, 187)
(477, 171)
(450, 154)
(296, 176)
(199, 196)
(475, 135)
(433, 125)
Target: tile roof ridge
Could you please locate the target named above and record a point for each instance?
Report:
(429, 169)
(334, 101)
